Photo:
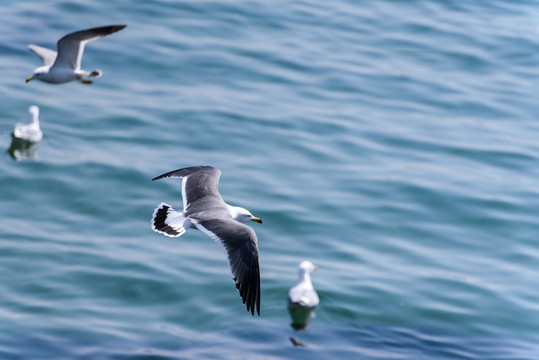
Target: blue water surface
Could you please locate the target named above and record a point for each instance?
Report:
(392, 143)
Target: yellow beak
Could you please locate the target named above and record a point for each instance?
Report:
(255, 219)
(315, 267)
(29, 79)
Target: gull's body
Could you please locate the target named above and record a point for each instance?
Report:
(65, 65)
(205, 210)
(30, 131)
(302, 297)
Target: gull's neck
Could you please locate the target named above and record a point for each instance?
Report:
(33, 120)
(304, 277)
(233, 211)
(33, 117)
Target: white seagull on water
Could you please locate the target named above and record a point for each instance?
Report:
(64, 66)
(30, 131)
(204, 209)
(302, 297)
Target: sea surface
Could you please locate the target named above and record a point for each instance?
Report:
(395, 144)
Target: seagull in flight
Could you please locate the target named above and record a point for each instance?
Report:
(204, 209)
(64, 66)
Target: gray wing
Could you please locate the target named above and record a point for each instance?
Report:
(47, 55)
(240, 243)
(71, 46)
(198, 182)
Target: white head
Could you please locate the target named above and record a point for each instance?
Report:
(305, 267)
(242, 215)
(33, 114)
(38, 72)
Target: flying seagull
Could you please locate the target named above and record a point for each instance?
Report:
(64, 66)
(204, 209)
(302, 297)
(30, 131)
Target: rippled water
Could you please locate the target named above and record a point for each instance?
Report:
(392, 143)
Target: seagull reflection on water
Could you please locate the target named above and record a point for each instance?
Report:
(23, 149)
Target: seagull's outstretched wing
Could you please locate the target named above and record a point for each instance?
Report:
(198, 182)
(47, 55)
(240, 243)
(71, 46)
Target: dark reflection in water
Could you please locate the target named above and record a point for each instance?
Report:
(300, 316)
(296, 342)
(23, 149)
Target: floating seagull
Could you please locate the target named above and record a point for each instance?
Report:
(30, 131)
(302, 298)
(64, 66)
(205, 209)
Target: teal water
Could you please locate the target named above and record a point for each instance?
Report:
(392, 143)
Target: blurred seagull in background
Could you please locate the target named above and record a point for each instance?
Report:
(30, 131)
(302, 297)
(204, 209)
(64, 66)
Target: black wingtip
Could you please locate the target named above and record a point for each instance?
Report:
(161, 176)
(249, 298)
(251, 295)
(183, 172)
(115, 28)
(107, 29)
(253, 310)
